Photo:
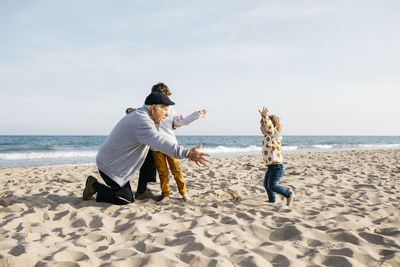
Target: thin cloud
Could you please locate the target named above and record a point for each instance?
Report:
(284, 12)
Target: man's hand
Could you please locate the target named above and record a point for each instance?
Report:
(197, 156)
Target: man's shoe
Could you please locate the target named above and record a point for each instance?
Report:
(145, 195)
(89, 191)
(158, 198)
(164, 200)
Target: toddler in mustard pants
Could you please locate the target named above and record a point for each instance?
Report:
(162, 161)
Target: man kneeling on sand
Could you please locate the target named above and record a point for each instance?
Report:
(125, 150)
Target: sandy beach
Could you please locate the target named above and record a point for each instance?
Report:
(346, 212)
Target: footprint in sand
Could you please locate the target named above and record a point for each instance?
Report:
(347, 237)
(96, 222)
(359, 186)
(387, 254)
(226, 194)
(124, 253)
(373, 238)
(337, 261)
(228, 220)
(288, 232)
(387, 231)
(70, 255)
(17, 250)
(341, 252)
(147, 248)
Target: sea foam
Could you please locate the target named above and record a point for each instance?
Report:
(48, 155)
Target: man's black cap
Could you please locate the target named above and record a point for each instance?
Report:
(156, 98)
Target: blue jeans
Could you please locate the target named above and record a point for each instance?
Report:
(271, 180)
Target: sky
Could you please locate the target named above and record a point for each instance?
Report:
(324, 67)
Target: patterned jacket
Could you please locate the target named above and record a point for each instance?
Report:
(271, 144)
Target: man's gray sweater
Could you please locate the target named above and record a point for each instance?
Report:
(125, 149)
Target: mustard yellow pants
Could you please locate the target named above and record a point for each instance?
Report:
(161, 160)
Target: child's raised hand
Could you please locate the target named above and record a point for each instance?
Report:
(264, 111)
(203, 112)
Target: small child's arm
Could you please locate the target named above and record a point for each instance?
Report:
(263, 128)
(270, 128)
(180, 121)
(263, 114)
(267, 125)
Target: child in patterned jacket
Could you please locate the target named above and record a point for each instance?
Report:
(271, 149)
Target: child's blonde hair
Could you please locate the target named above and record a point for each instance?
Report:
(276, 122)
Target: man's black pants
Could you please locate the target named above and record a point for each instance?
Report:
(147, 173)
(121, 195)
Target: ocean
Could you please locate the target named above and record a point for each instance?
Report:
(35, 151)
